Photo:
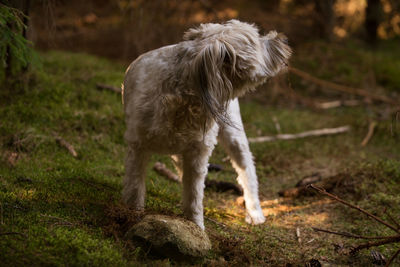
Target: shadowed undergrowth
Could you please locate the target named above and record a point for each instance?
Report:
(59, 210)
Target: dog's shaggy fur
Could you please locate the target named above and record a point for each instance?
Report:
(179, 98)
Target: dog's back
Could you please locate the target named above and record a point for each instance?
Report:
(158, 112)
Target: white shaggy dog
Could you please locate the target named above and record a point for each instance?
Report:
(179, 98)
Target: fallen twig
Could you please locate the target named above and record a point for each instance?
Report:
(383, 240)
(319, 132)
(341, 88)
(371, 128)
(58, 219)
(301, 188)
(337, 103)
(161, 169)
(216, 222)
(62, 142)
(345, 234)
(323, 191)
(311, 240)
(309, 179)
(212, 167)
(392, 219)
(108, 87)
(392, 258)
(298, 234)
(222, 186)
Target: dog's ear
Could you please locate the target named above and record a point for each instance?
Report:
(211, 70)
(277, 52)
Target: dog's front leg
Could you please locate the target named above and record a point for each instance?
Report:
(134, 189)
(234, 140)
(194, 173)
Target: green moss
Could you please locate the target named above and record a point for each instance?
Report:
(351, 63)
(67, 211)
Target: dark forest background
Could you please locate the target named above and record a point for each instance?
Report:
(125, 29)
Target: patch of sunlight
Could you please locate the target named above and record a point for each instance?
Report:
(315, 218)
(339, 32)
(232, 211)
(26, 194)
(275, 207)
(199, 17)
(227, 13)
(387, 7)
(396, 24)
(352, 13)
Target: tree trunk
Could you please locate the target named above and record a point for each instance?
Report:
(325, 19)
(373, 14)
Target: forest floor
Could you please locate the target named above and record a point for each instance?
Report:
(57, 209)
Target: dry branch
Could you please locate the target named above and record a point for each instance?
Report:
(298, 234)
(62, 142)
(388, 240)
(309, 179)
(383, 239)
(301, 188)
(161, 169)
(392, 258)
(345, 234)
(212, 167)
(342, 88)
(323, 191)
(216, 222)
(392, 219)
(370, 132)
(108, 87)
(63, 221)
(338, 103)
(222, 186)
(318, 132)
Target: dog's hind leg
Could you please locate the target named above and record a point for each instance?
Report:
(234, 140)
(178, 164)
(134, 189)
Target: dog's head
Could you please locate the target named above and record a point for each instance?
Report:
(230, 59)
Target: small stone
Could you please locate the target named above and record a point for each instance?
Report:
(171, 237)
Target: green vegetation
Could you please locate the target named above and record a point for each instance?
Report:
(15, 51)
(353, 63)
(61, 210)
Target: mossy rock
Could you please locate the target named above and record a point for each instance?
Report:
(171, 237)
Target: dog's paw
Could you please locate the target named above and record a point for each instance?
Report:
(199, 220)
(255, 217)
(200, 223)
